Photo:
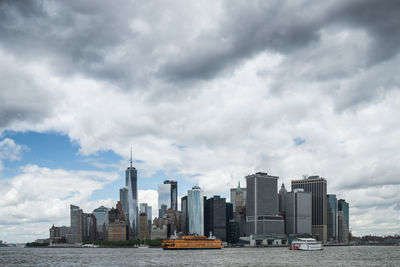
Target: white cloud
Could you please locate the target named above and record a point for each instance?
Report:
(151, 198)
(38, 197)
(9, 150)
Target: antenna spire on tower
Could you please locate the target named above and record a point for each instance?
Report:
(131, 157)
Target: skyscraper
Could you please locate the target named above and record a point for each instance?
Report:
(262, 205)
(318, 188)
(243, 195)
(195, 211)
(344, 206)
(101, 214)
(76, 216)
(343, 221)
(282, 199)
(174, 193)
(123, 198)
(144, 232)
(298, 212)
(164, 198)
(185, 220)
(332, 217)
(343, 231)
(215, 217)
(131, 183)
(149, 216)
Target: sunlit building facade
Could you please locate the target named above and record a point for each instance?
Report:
(195, 206)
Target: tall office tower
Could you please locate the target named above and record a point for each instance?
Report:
(174, 193)
(185, 220)
(123, 198)
(76, 233)
(131, 183)
(164, 198)
(195, 206)
(228, 217)
(242, 197)
(149, 216)
(282, 199)
(298, 212)
(343, 231)
(262, 205)
(318, 188)
(332, 218)
(89, 227)
(215, 217)
(101, 214)
(344, 206)
(143, 226)
(229, 211)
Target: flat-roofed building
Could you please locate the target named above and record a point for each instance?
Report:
(318, 188)
(298, 212)
(262, 205)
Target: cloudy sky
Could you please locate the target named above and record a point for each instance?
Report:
(205, 92)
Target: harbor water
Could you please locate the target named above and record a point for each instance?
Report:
(330, 256)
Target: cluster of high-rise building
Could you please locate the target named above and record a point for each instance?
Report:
(257, 213)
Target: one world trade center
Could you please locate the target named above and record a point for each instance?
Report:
(131, 184)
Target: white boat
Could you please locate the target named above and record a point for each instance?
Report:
(306, 244)
(90, 246)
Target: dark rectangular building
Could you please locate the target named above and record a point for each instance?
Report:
(215, 217)
(185, 221)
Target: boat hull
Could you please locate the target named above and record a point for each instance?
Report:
(191, 242)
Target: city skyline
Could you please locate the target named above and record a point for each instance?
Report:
(204, 94)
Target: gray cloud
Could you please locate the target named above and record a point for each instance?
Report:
(379, 19)
(101, 40)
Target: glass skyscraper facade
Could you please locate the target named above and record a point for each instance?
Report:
(101, 215)
(131, 183)
(215, 217)
(123, 198)
(164, 197)
(344, 206)
(174, 193)
(195, 206)
(332, 217)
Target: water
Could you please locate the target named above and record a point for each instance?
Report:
(330, 256)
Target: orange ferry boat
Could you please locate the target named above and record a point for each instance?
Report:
(192, 242)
